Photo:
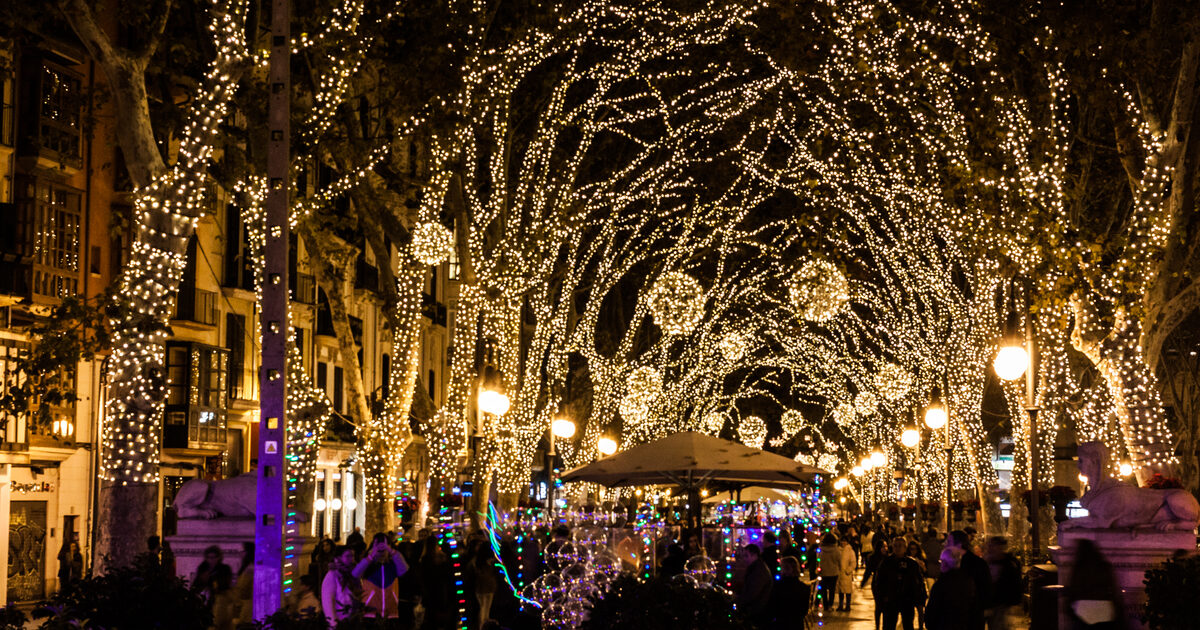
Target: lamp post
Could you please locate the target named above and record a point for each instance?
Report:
(867, 465)
(937, 416)
(1011, 362)
(911, 438)
(559, 428)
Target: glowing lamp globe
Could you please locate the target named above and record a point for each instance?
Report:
(562, 428)
(493, 402)
(1011, 362)
(606, 446)
(840, 483)
(335, 504)
(319, 505)
(351, 503)
(878, 459)
(857, 471)
(1126, 469)
(909, 438)
(936, 416)
(867, 464)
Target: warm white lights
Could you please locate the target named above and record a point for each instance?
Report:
(335, 504)
(840, 483)
(320, 505)
(1126, 469)
(606, 446)
(910, 438)
(936, 416)
(858, 471)
(1011, 362)
(563, 428)
(878, 459)
(493, 402)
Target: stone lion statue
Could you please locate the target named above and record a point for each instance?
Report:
(232, 497)
(1114, 504)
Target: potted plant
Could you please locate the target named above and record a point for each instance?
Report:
(1159, 482)
(909, 511)
(1060, 496)
(957, 508)
(930, 510)
(1170, 593)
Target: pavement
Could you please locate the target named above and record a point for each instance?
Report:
(862, 614)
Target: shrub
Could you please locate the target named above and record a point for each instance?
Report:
(142, 596)
(661, 604)
(1171, 594)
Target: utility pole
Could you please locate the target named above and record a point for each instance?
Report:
(272, 434)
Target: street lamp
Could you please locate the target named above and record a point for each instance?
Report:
(937, 415)
(878, 459)
(1012, 361)
(857, 471)
(606, 445)
(910, 438)
(493, 402)
(559, 428)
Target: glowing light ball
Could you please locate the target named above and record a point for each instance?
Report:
(819, 291)
(867, 463)
(432, 243)
(1126, 469)
(910, 438)
(840, 484)
(1011, 362)
(644, 387)
(562, 428)
(843, 414)
(865, 403)
(606, 446)
(752, 431)
(936, 416)
(857, 471)
(732, 347)
(878, 459)
(893, 382)
(714, 422)
(792, 421)
(677, 303)
(493, 402)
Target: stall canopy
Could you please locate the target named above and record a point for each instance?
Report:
(752, 494)
(691, 460)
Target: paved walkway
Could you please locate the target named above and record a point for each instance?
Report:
(862, 614)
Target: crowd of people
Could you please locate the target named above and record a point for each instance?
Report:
(916, 581)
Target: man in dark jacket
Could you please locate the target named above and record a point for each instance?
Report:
(979, 572)
(755, 594)
(789, 597)
(952, 598)
(901, 583)
(1007, 591)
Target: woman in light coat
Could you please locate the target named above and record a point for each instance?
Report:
(847, 564)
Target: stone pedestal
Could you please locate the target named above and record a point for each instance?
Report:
(1131, 553)
(193, 536)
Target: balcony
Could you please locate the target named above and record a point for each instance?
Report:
(196, 305)
(434, 310)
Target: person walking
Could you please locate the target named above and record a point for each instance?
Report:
(483, 569)
(755, 593)
(212, 583)
(847, 565)
(952, 598)
(829, 561)
(871, 574)
(903, 586)
(340, 591)
(243, 587)
(788, 606)
(980, 574)
(932, 547)
(1007, 590)
(1092, 595)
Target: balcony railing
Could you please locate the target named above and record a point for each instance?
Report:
(197, 305)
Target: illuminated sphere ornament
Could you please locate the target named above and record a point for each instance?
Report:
(910, 438)
(840, 484)
(714, 421)
(432, 243)
(857, 471)
(1126, 469)
(732, 347)
(843, 414)
(878, 459)
(867, 463)
(752, 431)
(644, 387)
(827, 461)
(791, 421)
(1011, 362)
(893, 382)
(606, 446)
(819, 291)
(677, 303)
(936, 416)
(865, 403)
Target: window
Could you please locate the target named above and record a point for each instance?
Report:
(433, 386)
(454, 265)
(337, 390)
(61, 101)
(7, 111)
(13, 427)
(323, 376)
(386, 370)
(235, 343)
(48, 232)
(196, 396)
